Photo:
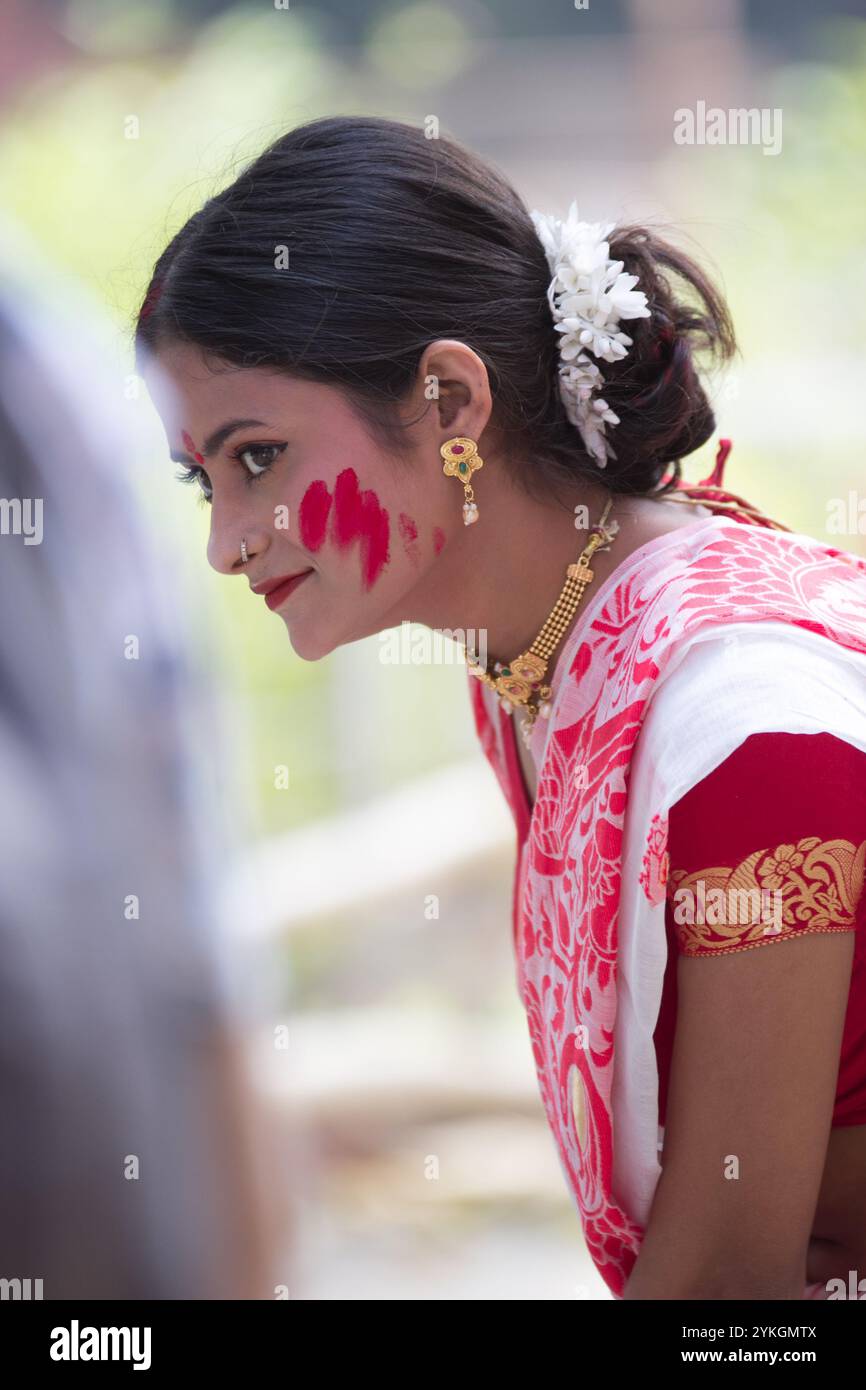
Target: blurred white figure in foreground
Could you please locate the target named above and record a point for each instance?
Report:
(125, 1143)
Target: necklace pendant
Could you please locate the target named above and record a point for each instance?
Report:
(513, 687)
(529, 667)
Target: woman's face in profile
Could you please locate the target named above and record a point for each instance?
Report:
(289, 466)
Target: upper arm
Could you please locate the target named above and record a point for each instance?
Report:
(750, 1102)
(759, 1022)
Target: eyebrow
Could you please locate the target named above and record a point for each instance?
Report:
(215, 441)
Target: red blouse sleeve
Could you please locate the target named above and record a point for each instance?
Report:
(771, 845)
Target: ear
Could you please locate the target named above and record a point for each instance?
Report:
(455, 377)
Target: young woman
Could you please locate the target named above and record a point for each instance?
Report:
(406, 397)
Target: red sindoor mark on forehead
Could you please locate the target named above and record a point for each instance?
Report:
(191, 449)
(438, 539)
(409, 534)
(356, 516)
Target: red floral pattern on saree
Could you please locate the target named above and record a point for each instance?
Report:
(654, 872)
(568, 877)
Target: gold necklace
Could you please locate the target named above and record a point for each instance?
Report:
(520, 683)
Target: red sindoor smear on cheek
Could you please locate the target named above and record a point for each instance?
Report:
(313, 514)
(438, 539)
(357, 516)
(409, 534)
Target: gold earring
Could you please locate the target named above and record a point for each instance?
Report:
(461, 461)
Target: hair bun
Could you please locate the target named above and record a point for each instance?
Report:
(657, 392)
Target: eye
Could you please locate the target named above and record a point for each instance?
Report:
(191, 475)
(258, 458)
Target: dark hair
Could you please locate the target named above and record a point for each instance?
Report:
(394, 240)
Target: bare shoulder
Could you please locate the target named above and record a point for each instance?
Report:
(642, 519)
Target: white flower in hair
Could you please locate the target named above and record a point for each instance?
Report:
(588, 295)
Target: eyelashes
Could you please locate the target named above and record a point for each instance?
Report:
(191, 475)
(249, 455)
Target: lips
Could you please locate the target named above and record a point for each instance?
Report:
(276, 591)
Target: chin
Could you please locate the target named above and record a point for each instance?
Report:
(313, 638)
(309, 646)
(312, 641)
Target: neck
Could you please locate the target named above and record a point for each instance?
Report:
(500, 578)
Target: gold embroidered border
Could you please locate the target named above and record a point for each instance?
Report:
(817, 883)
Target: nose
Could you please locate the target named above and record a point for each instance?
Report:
(224, 551)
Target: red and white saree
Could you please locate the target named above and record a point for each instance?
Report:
(700, 640)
